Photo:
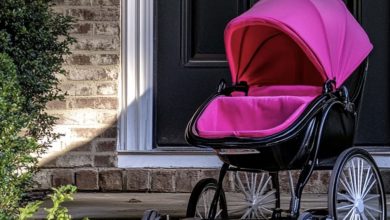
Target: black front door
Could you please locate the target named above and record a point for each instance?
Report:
(190, 61)
(374, 124)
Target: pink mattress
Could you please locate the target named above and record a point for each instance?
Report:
(265, 111)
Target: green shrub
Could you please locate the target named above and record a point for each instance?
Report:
(33, 43)
(36, 39)
(57, 211)
(15, 147)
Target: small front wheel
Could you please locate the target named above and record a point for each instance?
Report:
(356, 189)
(201, 197)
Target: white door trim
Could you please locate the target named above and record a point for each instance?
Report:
(136, 86)
(135, 139)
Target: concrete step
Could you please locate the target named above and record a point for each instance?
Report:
(133, 205)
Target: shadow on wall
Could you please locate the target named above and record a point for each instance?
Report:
(86, 156)
(86, 153)
(87, 147)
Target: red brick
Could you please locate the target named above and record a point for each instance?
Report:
(43, 179)
(107, 89)
(56, 105)
(78, 2)
(79, 59)
(85, 28)
(105, 161)
(97, 44)
(92, 73)
(105, 146)
(82, 103)
(94, 102)
(86, 180)
(137, 180)
(106, 103)
(162, 180)
(94, 14)
(186, 179)
(110, 180)
(84, 146)
(74, 160)
(108, 29)
(107, 118)
(61, 177)
(93, 59)
(109, 133)
(106, 2)
(94, 132)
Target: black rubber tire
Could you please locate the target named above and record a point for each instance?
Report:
(196, 193)
(343, 158)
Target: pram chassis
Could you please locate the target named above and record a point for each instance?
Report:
(334, 106)
(308, 144)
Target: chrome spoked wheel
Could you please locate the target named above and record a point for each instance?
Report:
(257, 198)
(357, 191)
(201, 199)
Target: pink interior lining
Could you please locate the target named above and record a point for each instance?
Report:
(264, 55)
(265, 111)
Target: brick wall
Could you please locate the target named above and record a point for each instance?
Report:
(85, 155)
(87, 118)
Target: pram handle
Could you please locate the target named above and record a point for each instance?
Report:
(238, 87)
(329, 86)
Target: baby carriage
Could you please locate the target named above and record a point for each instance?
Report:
(298, 69)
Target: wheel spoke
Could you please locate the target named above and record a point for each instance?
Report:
(254, 184)
(353, 192)
(268, 210)
(260, 183)
(369, 176)
(348, 214)
(198, 214)
(241, 185)
(218, 213)
(370, 214)
(360, 177)
(264, 186)
(262, 214)
(265, 197)
(347, 207)
(267, 202)
(246, 214)
(238, 209)
(354, 178)
(349, 190)
(373, 209)
(368, 189)
(371, 197)
(347, 197)
(363, 216)
(247, 181)
(207, 202)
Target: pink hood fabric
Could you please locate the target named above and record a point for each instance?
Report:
(285, 50)
(325, 31)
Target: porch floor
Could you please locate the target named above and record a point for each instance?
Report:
(133, 205)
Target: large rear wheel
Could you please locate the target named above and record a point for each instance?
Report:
(200, 200)
(356, 188)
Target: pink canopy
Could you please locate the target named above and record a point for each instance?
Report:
(288, 42)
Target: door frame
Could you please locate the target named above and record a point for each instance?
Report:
(135, 143)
